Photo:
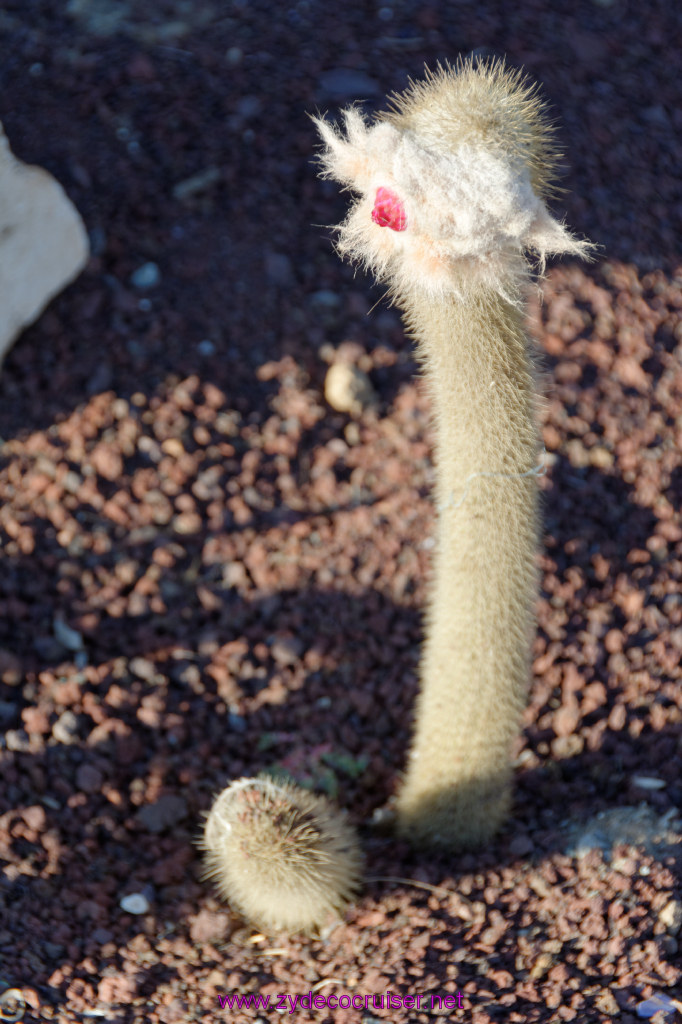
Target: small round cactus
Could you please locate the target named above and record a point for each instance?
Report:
(281, 856)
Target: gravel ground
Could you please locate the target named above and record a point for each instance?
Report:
(208, 572)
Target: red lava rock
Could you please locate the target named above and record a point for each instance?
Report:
(36, 721)
(117, 989)
(208, 927)
(107, 461)
(31, 997)
(606, 1003)
(370, 919)
(566, 718)
(617, 717)
(80, 993)
(613, 641)
(286, 650)
(594, 696)
(632, 603)
(34, 817)
(175, 1010)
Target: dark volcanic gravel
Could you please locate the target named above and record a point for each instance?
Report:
(207, 572)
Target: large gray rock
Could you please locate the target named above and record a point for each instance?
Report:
(43, 243)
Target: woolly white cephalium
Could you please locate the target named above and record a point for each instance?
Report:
(458, 169)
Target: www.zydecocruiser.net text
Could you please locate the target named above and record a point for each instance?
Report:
(388, 1001)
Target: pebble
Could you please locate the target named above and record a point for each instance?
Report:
(566, 718)
(606, 1002)
(12, 1004)
(17, 739)
(36, 721)
(647, 782)
(658, 1003)
(286, 650)
(32, 997)
(325, 298)
(89, 779)
(199, 182)
(35, 818)
(166, 812)
(146, 276)
(624, 866)
(348, 389)
(207, 926)
(143, 669)
(67, 637)
(187, 523)
(567, 746)
(72, 482)
(135, 903)
(671, 916)
(65, 729)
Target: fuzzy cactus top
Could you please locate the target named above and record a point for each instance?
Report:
(459, 170)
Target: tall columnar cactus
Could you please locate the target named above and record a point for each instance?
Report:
(450, 190)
